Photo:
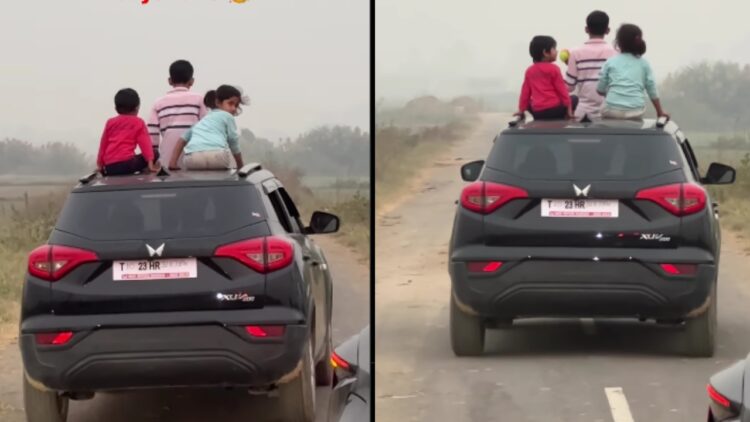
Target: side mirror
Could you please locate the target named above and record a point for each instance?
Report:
(470, 171)
(719, 174)
(323, 223)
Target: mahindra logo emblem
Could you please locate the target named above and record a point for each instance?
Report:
(581, 192)
(155, 252)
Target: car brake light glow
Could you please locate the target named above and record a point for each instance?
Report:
(484, 266)
(486, 197)
(339, 362)
(717, 397)
(53, 262)
(265, 331)
(54, 339)
(679, 269)
(264, 254)
(679, 199)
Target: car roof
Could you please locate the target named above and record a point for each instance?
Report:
(173, 179)
(599, 126)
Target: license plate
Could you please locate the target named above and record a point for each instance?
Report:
(580, 208)
(157, 269)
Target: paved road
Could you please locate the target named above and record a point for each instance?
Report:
(542, 370)
(351, 313)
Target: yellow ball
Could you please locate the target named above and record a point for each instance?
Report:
(564, 55)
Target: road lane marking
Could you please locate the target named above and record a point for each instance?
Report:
(618, 404)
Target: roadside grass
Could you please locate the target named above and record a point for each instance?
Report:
(20, 232)
(351, 206)
(355, 223)
(401, 153)
(734, 199)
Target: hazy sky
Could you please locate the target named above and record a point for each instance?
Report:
(446, 47)
(303, 63)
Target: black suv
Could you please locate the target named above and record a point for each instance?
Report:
(197, 279)
(586, 219)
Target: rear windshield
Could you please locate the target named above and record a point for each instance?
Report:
(590, 157)
(160, 213)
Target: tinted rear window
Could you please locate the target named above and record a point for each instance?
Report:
(587, 156)
(160, 213)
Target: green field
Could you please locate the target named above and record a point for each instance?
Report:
(731, 157)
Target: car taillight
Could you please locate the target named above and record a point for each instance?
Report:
(484, 266)
(263, 254)
(342, 369)
(679, 269)
(265, 331)
(717, 397)
(486, 197)
(53, 339)
(339, 362)
(679, 199)
(53, 262)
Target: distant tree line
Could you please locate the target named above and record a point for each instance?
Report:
(427, 111)
(338, 151)
(54, 158)
(709, 97)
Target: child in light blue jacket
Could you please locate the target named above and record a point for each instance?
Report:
(213, 142)
(624, 78)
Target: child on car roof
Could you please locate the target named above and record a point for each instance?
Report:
(585, 62)
(121, 135)
(176, 111)
(543, 92)
(212, 142)
(625, 77)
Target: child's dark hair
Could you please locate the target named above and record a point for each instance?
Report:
(127, 101)
(181, 72)
(539, 45)
(209, 100)
(630, 40)
(597, 22)
(225, 92)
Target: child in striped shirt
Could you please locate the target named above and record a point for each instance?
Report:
(176, 112)
(585, 62)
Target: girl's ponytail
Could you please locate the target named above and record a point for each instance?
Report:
(629, 39)
(640, 46)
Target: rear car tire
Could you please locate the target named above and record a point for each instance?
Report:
(700, 332)
(43, 406)
(467, 332)
(297, 397)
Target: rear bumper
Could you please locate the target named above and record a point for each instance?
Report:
(607, 287)
(121, 357)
